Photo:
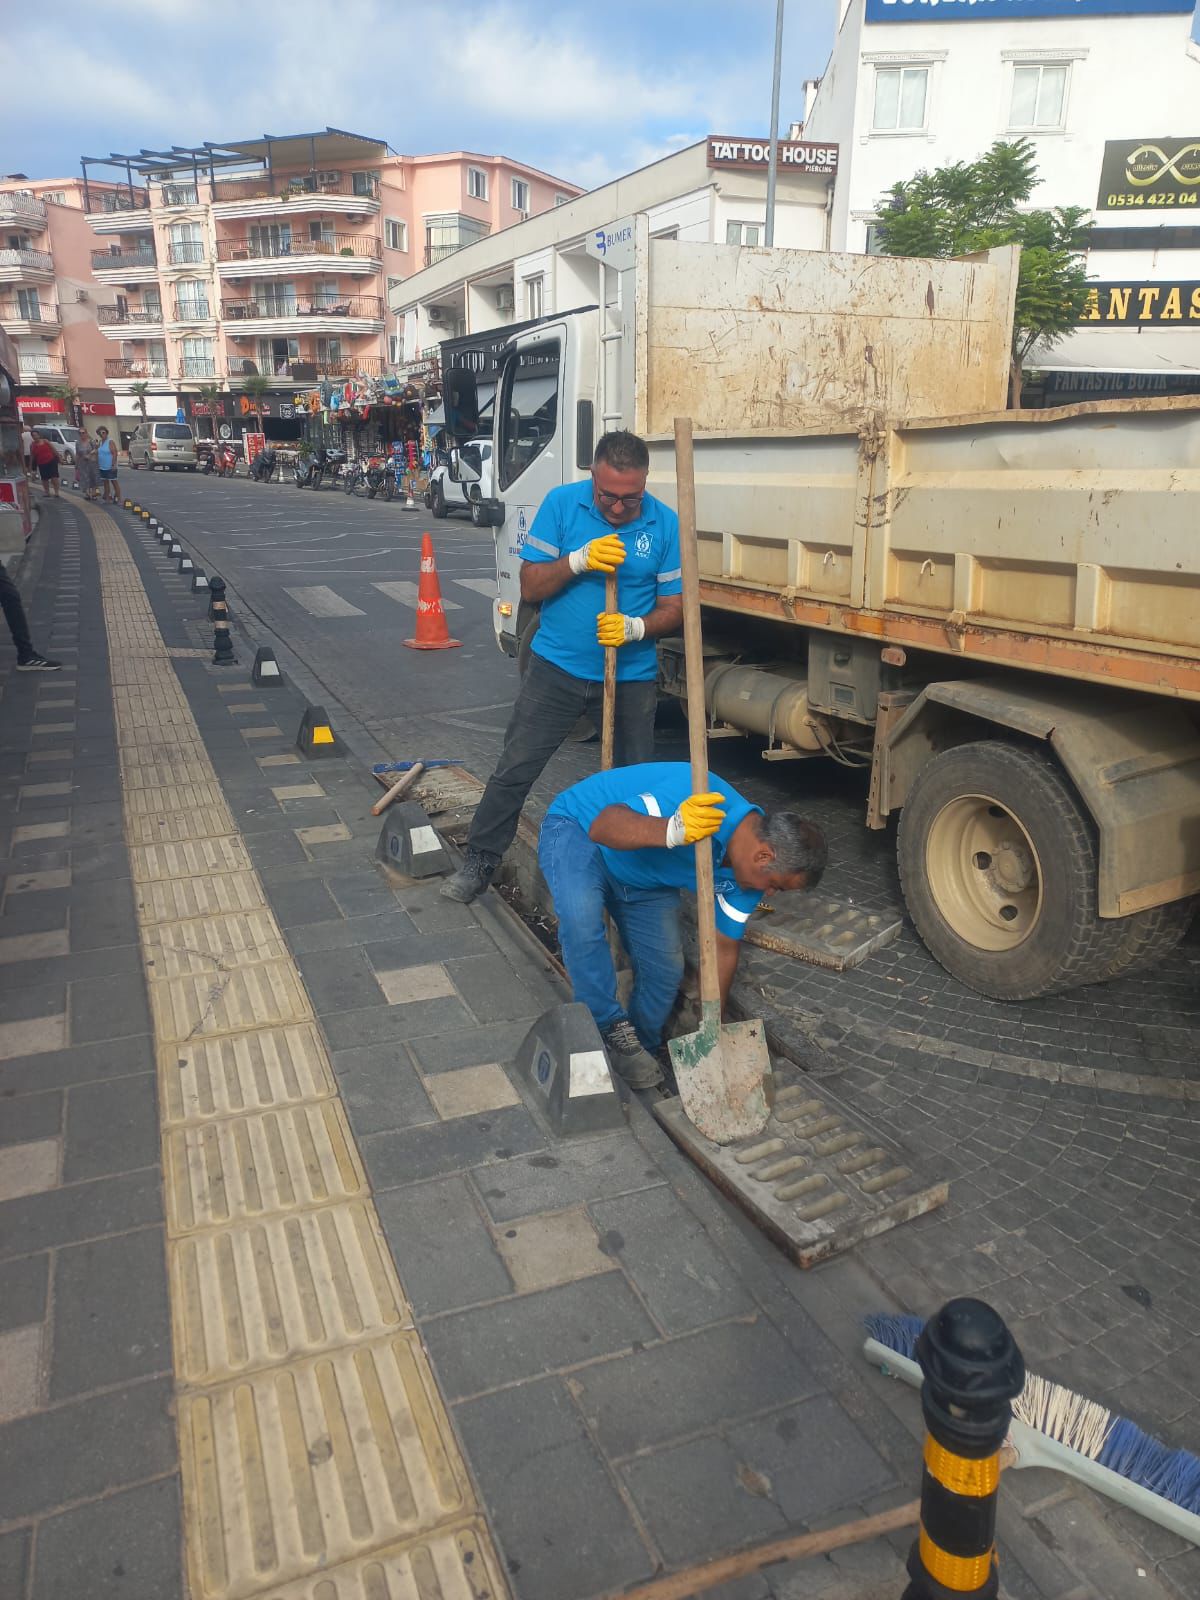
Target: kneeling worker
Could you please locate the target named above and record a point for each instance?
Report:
(620, 841)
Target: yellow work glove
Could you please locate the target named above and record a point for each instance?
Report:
(697, 818)
(604, 554)
(612, 628)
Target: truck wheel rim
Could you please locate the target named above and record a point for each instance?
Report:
(984, 873)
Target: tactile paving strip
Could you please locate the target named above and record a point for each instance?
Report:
(817, 1179)
(823, 931)
(317, 1459)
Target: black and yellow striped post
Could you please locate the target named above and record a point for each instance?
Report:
(972, 1370)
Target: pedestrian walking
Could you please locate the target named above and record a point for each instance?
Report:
(28, 659)
(86, 469)
(620, 842)
(582, 532)
(26, 447)
(45, 458)
(106, 462)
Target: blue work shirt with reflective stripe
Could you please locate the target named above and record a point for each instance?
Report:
(566, 635)
(656, 789)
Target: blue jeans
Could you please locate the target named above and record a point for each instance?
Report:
(647, 919)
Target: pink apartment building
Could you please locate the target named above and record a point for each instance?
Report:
(274, 257)
(48, 295)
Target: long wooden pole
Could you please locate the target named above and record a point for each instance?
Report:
(608, 723)
(708, 1574)
(693, 655)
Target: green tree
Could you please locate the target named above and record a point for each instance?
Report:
(212, 396)
(139, 391)
(257, 386)
(977, 205)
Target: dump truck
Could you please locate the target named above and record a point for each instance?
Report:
(994, 614)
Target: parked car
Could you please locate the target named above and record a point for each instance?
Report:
(64, 440)
(163, 444)
(448, 491)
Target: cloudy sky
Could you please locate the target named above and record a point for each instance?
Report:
(584, 91)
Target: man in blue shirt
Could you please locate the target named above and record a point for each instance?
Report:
(582, 532)
(620, 842)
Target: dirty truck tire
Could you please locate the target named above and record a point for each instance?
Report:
(1148, 937)
(1022, 792)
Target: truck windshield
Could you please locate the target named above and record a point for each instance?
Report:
(529, 414)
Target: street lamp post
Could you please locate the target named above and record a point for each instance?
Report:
(773, 163)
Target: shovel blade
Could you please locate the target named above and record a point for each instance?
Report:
(721, 1070)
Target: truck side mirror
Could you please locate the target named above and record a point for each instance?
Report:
(460, 403)
(465, 464)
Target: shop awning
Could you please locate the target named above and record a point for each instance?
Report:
(1163, 351)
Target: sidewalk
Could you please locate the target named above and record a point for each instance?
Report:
(297, 1296)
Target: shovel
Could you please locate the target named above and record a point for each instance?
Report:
(721, 1069)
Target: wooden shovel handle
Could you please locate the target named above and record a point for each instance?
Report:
(608, 725)
(401, 786)
(693, 655)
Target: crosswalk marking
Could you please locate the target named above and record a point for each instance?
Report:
(320, 600)
(406, 594)
(484, 586)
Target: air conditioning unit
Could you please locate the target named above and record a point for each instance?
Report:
(434, 314)
(81, 294)
(504, 299)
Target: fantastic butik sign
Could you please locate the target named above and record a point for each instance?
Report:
(795, 155)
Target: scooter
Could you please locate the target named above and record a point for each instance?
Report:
(262, 468)
(227, 461)
(327, 464)
(380, 478)
(304, 472)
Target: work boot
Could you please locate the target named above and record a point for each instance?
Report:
(471, 879)
(627, 1058)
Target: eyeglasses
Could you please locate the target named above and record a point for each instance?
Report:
(614, 500)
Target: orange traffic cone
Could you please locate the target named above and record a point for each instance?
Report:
(432, 632)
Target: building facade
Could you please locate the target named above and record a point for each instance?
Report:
(1108, 92)
(48, 296)
(272, 259)
(711, 192)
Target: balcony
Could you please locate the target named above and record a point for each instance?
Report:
(260, 258)
(118, 210)
(22, 211)
(186, 253)
(30, 318)
(136, 370)
(26, 266)
(193, 311)
(301, 369)
(438, 252)
(349, 194)
(125, 266)
(348, 314)
(199, 367)
(42, 369)
(130, 322)
(178, 194)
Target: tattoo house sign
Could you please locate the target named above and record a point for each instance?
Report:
(795, 155)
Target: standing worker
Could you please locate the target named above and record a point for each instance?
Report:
(620, 842)
(28, 659)
(583, 531)
(45, 458)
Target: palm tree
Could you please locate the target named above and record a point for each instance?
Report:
(139, 391)
(212, 397)
(257, 386)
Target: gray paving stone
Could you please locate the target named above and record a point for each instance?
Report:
(698, 1499)
(127, 1547)
(443, 1249)
(697, 1382)
(108, 1008)
(468, 1047)
(359, 894)
(817, 1461)
(83, 1063)
(534, 1334)
(14, 1562)
(340, 980)
(683, 1280)
(275, 849)
(381, 1088)
(492, 989)
(32, 1000)
(30, 1116)
(348, 1030)
(297, 903)
(99, 863)
(23, 1286)
(340, 933)
(37, 913)
(102, 914)
(109, 960)
(86, 1448)
(111, 1322)
(572, 1172)
(81, 1211)
(518, 1442)
(112, 1126)
(412, 1154)
(431, 914)
(419, 949)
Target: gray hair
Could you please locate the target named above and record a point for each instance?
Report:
(623, 451)
(799, 845)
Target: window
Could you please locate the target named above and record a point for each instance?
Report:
(520, 195)
(901, 94)
(395, 234)
(198, 359)
(529, 409)
(668, 233)
(329, 351)
(743, 233)
(562, 199)
(321, 233)
(270, 239)
(871, 248)
(186, 244)
(57, 195)
(534, 295)
(477, 184)
(366, 184)
(1039, 96)
(279, 300)
(394, 349)
(29, 305)
(191, 300)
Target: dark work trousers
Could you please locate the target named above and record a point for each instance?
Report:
(548, 705)
(14, 615)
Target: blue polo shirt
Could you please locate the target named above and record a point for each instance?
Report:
(656, 788)
(566, 635)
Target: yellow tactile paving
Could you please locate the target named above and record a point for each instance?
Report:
(316, 1463)
(317, 1459)
(208, 1078)
(290, 1285)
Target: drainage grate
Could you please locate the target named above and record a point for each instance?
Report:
(817, 1180)
(824, 932)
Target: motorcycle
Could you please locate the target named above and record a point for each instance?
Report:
(380, 478)
(222, 461)
(262, 468)
(305, 467)
(327, 464)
